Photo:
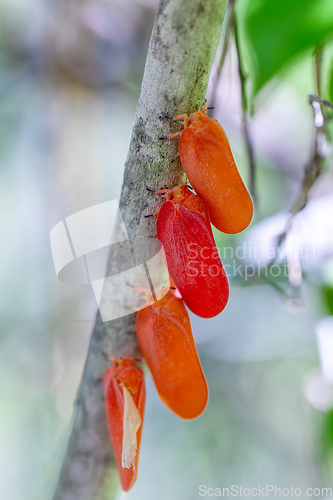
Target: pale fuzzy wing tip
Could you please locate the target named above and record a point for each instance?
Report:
(132, 422)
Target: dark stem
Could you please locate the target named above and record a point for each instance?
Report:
(314, 168)
(313, 97)
(317, 157)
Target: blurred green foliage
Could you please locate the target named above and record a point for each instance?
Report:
(280, 30)
(330, 83)
(327, 292)
(325, 447)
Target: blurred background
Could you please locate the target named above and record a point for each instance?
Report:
(69, 84)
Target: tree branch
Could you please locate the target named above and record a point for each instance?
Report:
(175, 80)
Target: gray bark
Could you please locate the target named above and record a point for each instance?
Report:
(179, 60)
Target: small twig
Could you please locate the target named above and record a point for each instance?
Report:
(245, 107)
(228, 33)
(317, 157)
(313, 97)
(226, 42)
(318, 61)
(260, 276)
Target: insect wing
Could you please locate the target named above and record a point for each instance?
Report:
(193, 259)
(211, 169)
(124, 416)
(166, 341)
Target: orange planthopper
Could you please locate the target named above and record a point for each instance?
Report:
(125, 396)
(211, 169)
(183, 228)
(165, 337)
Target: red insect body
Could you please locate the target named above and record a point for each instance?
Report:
(211, 169)
(125, 397)
(184, 229)
(166, 341)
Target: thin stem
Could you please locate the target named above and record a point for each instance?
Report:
(225, 46)
(318, 64)
(248, 141)
(313, 97)
(314, 168)
(317, 156)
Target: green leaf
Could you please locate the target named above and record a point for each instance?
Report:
(279, 30)
(326, 441)
(327, 294)
(330, 83)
